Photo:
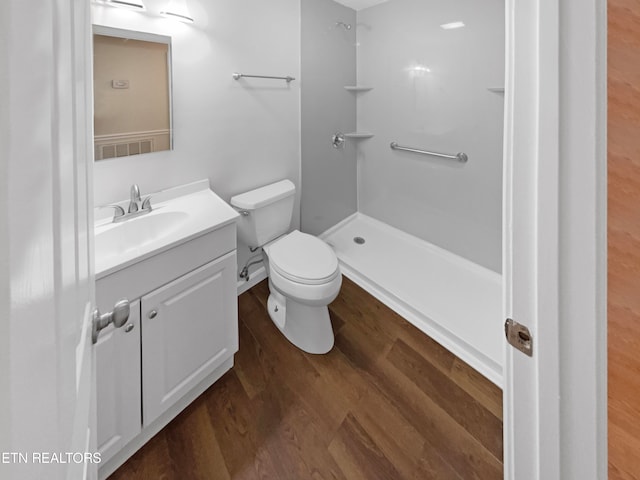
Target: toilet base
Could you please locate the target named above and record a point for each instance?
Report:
(307, 327)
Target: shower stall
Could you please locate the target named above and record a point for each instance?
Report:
(402, 126)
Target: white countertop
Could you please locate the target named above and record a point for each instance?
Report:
(191, 210)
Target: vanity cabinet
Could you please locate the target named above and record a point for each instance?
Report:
(185, 333)
(181, 337)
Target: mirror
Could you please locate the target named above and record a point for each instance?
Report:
(132, 93)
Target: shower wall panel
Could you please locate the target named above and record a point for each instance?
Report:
(435, 88)
(328, 64)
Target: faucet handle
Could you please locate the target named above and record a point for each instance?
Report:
(119, 211)
(146, 204)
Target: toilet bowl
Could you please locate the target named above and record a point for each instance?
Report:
(304, 275)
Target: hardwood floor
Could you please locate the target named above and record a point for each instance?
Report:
(624, 238)
(386, 403)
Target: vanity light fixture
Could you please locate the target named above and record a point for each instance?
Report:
(178, 10)
(130, 4)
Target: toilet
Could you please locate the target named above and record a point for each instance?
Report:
(304, 276)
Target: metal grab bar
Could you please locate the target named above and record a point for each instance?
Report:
(238, 76)
(460, 157)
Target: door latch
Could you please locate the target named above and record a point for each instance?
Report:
(519, 336)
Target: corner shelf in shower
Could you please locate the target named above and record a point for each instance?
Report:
(358, 88)
(496, 89)
(359, 135)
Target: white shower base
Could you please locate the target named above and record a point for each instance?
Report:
(453, 300)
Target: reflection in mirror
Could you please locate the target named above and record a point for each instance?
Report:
(132, 93)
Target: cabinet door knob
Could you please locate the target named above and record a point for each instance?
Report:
(153, 313)
(128, 328)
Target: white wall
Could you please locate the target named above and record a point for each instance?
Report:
(329, 181)
(239, 134)
(447, 109)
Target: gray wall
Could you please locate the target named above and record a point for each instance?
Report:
(329, 180)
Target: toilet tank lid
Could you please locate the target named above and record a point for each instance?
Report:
(264, 195)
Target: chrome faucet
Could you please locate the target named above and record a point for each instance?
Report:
(135, 198)
(136, 206)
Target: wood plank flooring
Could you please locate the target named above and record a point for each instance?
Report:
(386, 403)
(624, 239)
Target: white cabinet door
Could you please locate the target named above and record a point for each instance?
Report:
(189, 327)
(118, 385)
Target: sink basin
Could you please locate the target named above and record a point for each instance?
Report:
(132, 235)
(179, 215)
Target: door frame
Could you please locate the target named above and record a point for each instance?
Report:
(554, 241)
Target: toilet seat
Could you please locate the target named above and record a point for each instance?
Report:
(303, 259)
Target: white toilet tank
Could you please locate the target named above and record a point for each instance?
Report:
(269, 211)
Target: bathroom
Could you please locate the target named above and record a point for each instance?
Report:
(334, 143)
(326, 46)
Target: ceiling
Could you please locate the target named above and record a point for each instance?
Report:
(360, 4)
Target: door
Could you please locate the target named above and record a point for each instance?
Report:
(46, 279)
(189, 329)
(554, 239)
